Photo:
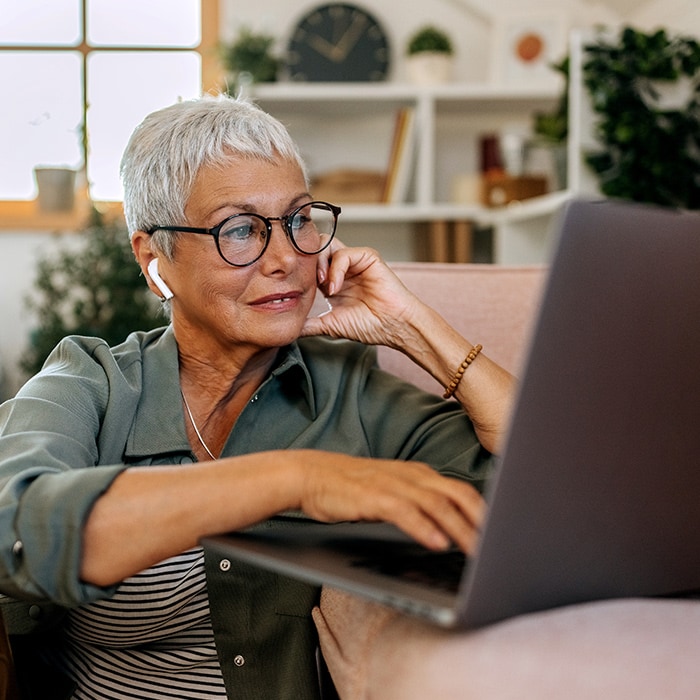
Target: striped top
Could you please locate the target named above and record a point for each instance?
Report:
(152, 639)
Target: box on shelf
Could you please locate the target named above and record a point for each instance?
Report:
(348, 186)
(503, 189)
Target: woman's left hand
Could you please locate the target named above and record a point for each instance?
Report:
(369, 302)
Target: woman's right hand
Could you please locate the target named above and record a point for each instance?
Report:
(433, 509)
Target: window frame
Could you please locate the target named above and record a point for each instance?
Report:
(23, 215)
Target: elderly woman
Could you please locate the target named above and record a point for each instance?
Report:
(114, 462)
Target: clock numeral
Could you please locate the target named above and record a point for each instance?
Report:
(337, 12)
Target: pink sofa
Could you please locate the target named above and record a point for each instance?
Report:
(489, 304)
(621, 649)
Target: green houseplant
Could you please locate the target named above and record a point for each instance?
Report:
(551, 129)
(650, 149)
(92, 286)
(429, 39)
(429, 53)
(250, 58)
(553, 126)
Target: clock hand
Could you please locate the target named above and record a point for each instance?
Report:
(324, 47)
(349, 39)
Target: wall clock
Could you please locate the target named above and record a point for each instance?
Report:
(338, 42)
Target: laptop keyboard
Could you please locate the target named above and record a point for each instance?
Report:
(440, 570)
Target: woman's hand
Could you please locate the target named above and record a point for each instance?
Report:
(433, 509)
(369, 302)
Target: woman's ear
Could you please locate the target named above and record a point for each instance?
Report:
(148, 262)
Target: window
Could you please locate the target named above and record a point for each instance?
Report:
(76, 76)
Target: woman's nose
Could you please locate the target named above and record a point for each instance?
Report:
(280, 246)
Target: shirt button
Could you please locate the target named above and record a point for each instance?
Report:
(18, 548)
(238, 660)
(255, 398)
(224, 564)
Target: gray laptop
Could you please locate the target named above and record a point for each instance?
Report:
(597, 494)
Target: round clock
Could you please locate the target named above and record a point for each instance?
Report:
(338, 42)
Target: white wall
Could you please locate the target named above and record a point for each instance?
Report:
(18, 258)
(472, 24)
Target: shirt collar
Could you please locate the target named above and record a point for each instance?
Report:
(159, 421)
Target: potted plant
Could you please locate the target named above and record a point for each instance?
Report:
(250, 59)
(93, 289)
(649, 146)
(551, 129)
(429, 56)
(55, 178)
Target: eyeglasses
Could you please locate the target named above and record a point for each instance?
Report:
(242, 239)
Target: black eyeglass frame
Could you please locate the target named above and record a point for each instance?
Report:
(267, 220)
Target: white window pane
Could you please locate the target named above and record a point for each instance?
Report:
(40, 120)
(37, 22)
(123, 88)
(139, 23)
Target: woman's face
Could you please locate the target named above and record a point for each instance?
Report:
(260, 306)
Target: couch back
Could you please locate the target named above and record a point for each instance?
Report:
(493, 305)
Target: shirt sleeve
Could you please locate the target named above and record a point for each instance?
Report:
(370, 412)
(411, 424)
(51, 443)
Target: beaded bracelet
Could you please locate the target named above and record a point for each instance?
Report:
(460, 372)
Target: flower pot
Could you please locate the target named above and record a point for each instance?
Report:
(668, 95)
(429, 68)
(56, 189)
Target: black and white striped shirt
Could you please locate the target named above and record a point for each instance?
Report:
(152, 639)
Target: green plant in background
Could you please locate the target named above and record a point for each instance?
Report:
(650, 152)
(553, 126)
(429, 39)
(250, 58)
(90, 287)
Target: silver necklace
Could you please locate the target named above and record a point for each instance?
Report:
(194, 425)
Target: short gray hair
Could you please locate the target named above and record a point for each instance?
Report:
(168, 148)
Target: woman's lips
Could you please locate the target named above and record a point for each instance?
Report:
(279, 301)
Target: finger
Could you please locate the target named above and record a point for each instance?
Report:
(441, 511)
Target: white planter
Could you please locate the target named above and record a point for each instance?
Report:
(669, 95)
(56, 188)
(429, 68)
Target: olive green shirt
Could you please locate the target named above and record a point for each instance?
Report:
(94, 411)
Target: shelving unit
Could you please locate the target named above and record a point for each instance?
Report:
(350, 126)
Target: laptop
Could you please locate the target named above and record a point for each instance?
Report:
(597, 492)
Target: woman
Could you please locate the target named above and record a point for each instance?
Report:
(240, 415)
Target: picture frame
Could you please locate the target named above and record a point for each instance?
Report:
(524, 47)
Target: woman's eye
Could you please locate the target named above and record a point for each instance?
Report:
(239, 230)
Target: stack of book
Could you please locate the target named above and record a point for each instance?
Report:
(400, 166)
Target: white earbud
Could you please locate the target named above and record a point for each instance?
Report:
(158, 280)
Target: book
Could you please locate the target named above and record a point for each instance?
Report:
(400, 164)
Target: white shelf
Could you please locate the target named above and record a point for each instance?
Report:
(331, 92)
(349, 125)
(486, 216)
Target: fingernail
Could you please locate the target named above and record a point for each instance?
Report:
(440, 541)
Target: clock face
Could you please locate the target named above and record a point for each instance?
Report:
(338, 41)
